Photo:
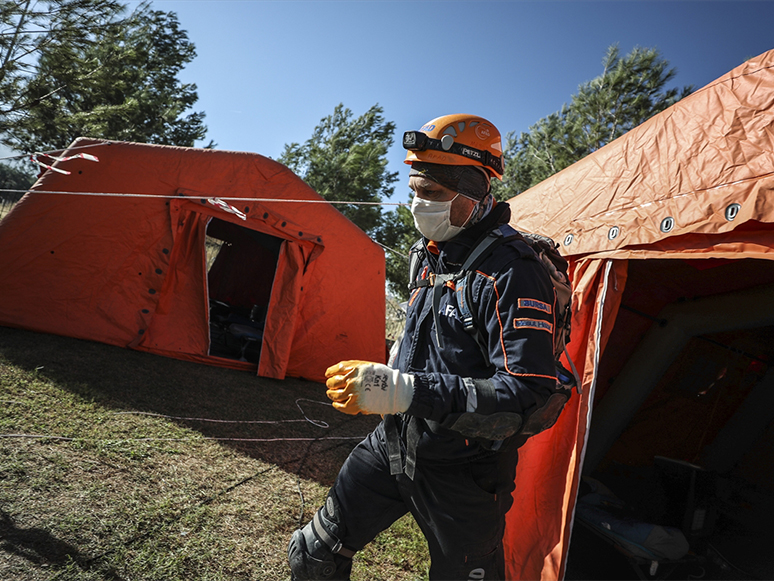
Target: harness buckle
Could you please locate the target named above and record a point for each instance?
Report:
(469, 324)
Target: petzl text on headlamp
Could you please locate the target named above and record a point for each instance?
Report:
(418, 141)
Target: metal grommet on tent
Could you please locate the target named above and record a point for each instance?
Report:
(613, 233)
(667, 224)
(732, 211)
(568, 239)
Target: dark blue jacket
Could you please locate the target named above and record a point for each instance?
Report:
(514, 305)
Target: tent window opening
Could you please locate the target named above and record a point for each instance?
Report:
(241, 264)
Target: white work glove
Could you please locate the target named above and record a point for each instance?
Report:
(362, 387)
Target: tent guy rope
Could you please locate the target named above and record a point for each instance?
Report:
(316, 423)
(202, 439)
(219, 201)
(206, 198)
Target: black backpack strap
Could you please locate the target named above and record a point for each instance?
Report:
(463, 277)
(464, 293)
(416, 254)
(464, 284)
(439, 281)
(480, 251)
(485, 246)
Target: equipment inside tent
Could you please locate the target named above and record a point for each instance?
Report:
(219, 257)
(670, 237)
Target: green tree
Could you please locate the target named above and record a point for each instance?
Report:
(117, 79)
(630, 90)
(397, 233)
(28, 28)
(345, 160)
(14, 182)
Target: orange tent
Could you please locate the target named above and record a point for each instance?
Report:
(669, 231)
(138, 249)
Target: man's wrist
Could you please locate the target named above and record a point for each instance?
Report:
(422, 400)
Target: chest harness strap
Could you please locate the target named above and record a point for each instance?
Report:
(439, 281)
(458, 281)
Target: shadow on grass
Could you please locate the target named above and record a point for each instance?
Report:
(127, 380)
(35, 545)
(40, 548)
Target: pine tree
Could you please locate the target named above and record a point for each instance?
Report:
(345, 160)
(94, 74)
(629, 91)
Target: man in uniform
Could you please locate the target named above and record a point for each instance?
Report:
(467, 383)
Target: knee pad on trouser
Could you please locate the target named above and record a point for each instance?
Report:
(315, 552)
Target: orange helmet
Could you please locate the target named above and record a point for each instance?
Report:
(457, 140)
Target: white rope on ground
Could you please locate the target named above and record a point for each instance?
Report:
(202, 439)
(318, 423)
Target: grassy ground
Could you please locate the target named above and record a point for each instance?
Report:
(176, 506)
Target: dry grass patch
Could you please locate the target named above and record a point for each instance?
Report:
(109, 505)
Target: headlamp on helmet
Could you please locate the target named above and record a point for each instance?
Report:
(414, 141)
(456, 140)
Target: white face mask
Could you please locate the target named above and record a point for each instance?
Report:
(433, 219)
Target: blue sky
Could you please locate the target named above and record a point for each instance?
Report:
(268, 71)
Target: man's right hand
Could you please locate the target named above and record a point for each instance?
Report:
(365, 387)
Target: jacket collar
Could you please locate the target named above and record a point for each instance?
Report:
(454, 251)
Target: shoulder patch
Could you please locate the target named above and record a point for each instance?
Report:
(533, 324)
(535, 304)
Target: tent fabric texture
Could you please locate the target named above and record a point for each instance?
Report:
(224, 258)
(681, 206)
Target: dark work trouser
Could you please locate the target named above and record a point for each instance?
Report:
(460, 508)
